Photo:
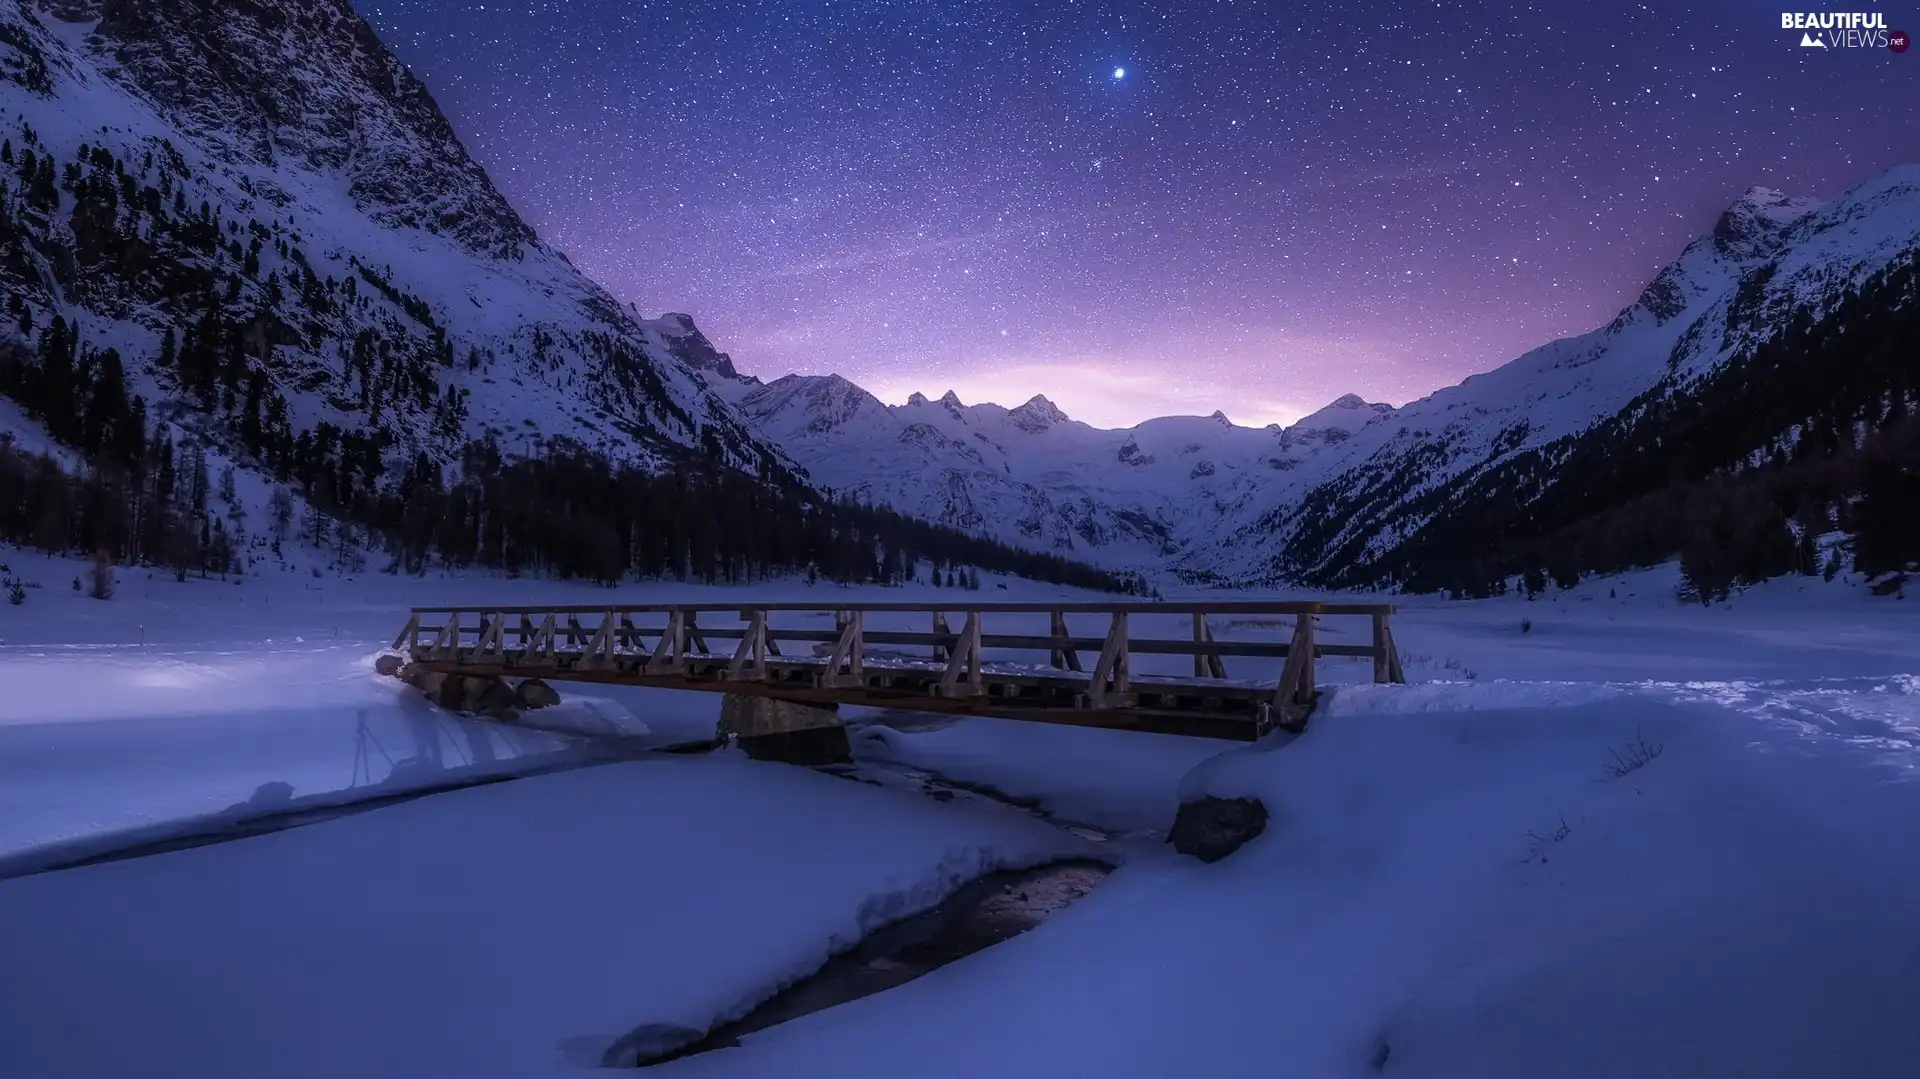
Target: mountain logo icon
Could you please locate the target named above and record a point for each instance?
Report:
(1808, 41)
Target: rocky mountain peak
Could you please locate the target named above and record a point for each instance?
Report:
(308, 83)
(1753, 226)
(1037, 415)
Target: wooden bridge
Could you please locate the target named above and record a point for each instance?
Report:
(1011, 660)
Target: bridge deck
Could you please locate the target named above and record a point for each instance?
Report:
(954, 666)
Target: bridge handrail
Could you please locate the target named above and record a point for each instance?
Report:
(1224, 607)
(615, 639)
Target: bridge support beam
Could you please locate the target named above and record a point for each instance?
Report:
(770, 729)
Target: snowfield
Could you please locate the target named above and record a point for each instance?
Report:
(517, 929)
(1631, 839)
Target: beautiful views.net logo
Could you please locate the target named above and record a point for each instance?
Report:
(1844, 30)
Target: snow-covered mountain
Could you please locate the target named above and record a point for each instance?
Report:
(268, 219)
(1031, 475)
(1341, 489)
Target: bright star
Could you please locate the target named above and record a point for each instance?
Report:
(1119, 72)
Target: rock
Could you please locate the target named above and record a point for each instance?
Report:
(490, 696)
(534, 693)
(450, 693)
(811, 747)
(786, 731)
(389, 666)
(1212, 828)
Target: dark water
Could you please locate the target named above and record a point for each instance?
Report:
(991, 909)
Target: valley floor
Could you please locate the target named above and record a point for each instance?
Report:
(1631, 838)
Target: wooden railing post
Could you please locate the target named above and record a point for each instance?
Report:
(1111, 674)
(410, 636)
(962, 675)
(753, 649)
(1065, 657)
(940, 629)
(1206, 664)
(1386, 655)
(669, 654)
(1293, 697)
(849, 652)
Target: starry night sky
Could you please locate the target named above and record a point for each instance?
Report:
(1275, 203)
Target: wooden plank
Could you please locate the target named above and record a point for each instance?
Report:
(942, 643)
(692, 623)
(409, 635)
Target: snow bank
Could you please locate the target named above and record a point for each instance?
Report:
(1468, 881)
(1121, 781)
(511, 930)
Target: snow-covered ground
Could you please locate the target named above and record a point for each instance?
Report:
(1454, 883)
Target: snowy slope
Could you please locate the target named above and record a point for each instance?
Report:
(1767, 260)
(391, 289)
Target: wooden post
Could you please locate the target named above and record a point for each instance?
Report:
(576, 634)
(448, 641)
(543, 641)
(1112, 668)
(940, 629)
(492, 635)
(409, 636)
(1293, 697)
(962, 676)
(525, 632)
(698, 642)
(599, 651)
(1383, 641)
(1064, 657)
(848, 653)
(667, 655)
(753, 649)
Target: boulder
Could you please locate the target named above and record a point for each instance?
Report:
(787, 731)
(389, 666)
(534, 693)
(1211, 828)
(492, 697)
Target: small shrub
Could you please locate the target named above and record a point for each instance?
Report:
(16, 592)
(1634, 756)
(1537, 850)
(1526, 625)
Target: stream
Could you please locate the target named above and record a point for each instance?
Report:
(980, 914)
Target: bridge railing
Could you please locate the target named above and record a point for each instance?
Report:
(671, 640)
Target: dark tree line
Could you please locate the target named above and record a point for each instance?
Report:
(1811, 431)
